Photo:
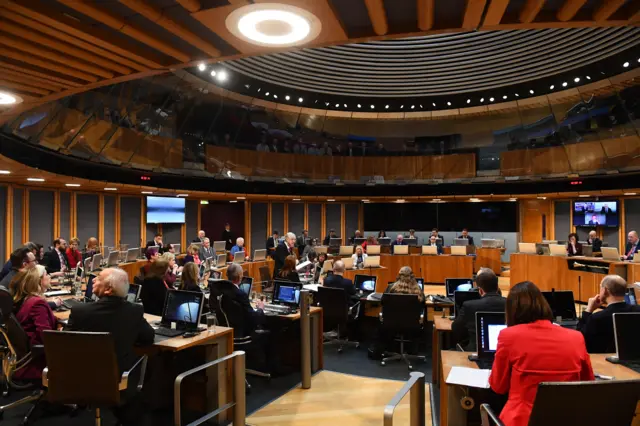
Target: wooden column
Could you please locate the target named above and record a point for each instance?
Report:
(199, 215)
(286, 218)
(9, 216)
(343, 223)
(101, 220)
(247, 225)
(183, 237)
(361, 217)
(117, 221)
(622, 226)
(73, 226)
(56, 216)
(143, 220)
(323, 220)
(269, 226)
(25, 216)
(306, 216)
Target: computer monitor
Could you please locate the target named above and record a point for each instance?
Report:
(457, 284)
(373, 249)
(529, 248)
(460, 241)
(384, 241)
(401, 249)
(625, 329)
(346, 250)
(359, 241)
(630, 297)
(239, 257)
(96, 262)
(420, 282)
(335, 242)
(176, 248)
(112, 260)
(562, 304)
(219, 246)
(259, 255)
(134, 293)
(413, 242)
(372, 262)
(286, 293)
(245, 285)
(221, 260)
(366, 283)
(132, 254)
(184, 308)
(488, 328)
(459, 297)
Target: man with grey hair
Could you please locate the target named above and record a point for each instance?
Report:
(283, 250)
(206, 251)
(594, 242)
(201, 237)
(252, 317)
(337, 280)
(238, 247)
(597, 328)
(632, 247)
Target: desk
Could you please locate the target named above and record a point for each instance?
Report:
(317, 338)
(487, 257)
(434, 269)
(132, 268)
(440, 327)
(252, 269)
(451, 412)
(380, 273)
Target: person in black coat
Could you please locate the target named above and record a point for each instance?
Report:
(288, 271)
(55, 260)
(597, 328)
(283, 250)
(272, 243)
(227, 237)
(252, 317)
(154, 289)
(157, 241)
(464, 326)
(594, 242)
(465, 234)
(336, 280)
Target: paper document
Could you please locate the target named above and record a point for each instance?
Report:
(472, 377)
(303, 265)
(311, 287)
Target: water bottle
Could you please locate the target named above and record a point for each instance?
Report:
(78, 289)
(212, 321)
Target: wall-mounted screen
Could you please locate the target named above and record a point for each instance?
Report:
(165, 210)
(595, 213)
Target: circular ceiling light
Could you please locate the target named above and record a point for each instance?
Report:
(9, 99)
(273, 24)
(202, 67)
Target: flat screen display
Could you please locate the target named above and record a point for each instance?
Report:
(595, 213)
(165, 210)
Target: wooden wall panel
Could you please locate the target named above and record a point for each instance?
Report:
(535, 220)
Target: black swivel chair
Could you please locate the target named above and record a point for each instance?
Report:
(265, 277)
(336, 313)
(153, 294)
(401, 316)
(79, 381)
(579, 403)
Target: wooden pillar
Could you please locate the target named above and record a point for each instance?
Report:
(73, 209)
(101, 220)
(623, 225)
(323, 220)
(183, 237)
(247, 226)
(56, 215)
(306, 216)
(117, 221)
(269, 225)
(286, 217)
(143, 220)
(25, 216)
(343, 223)
(9, 225)
(361, 217)
(200, 216)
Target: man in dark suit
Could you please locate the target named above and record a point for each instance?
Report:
(594, 220)
(272, 243)
(283, 250)
(464, 326)
(433, 241)
(337, 280)
(597, 328)
(301, 241)
(55, 260)
(465, 234)
(633, 244)
(594, 242)
(252, 318)
(227, 237)
(157, 241)
(206, 251)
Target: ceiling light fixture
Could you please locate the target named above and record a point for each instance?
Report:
(9, 99)
(267, 94)
(345, 105)
(434, 104)
(468, 101)
(330, 199)
(413, 106)
(626, 65)
(504, 97)
(564, 84)
(359, 106)
(387, 106)
(576, 80)
(630, 193)
(233, 201)
(588, 78)
(222, 76)
(542, 198)
(275, 96)
(551, 87)
(300, 100)
(373, 106)
(337, 105)
(241, 198)
(287, 97)
(296, 199)
(583, 195)
(202, 67)
(147, 192)
(491, 99)
(531, 91)
(513, 199)
(475, 200)
(213, 74)
(35, 179)
(517, 96)
(448, 103)
(5, 172)
(74, 185)
(111, 189)
(182, 195)
(481, 100)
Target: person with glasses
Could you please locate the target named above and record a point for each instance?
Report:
(21, 259)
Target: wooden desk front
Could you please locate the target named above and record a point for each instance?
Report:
(434, 269)
(252, 269)
(441, 326)
(487, 257)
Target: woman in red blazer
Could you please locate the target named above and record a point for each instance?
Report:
(532, 350)
(74, 256)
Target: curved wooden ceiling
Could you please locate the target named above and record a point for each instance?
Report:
(52, 48)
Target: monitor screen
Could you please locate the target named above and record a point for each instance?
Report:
(562, 304)
(165, 210)
(458, 284)
(488, 327)
(132, 295)
(183, 307)
(459, 297)
(365, 282)
(595, 213)
(420, 282)
(245, 285)
(287, 292)
(626, 327)
(630, 297)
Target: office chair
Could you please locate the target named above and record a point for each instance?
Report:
(401, 316)
(336, 313)
(153, 295)
(578, 403)
(231, 314)
(265, 277)
(79, 381)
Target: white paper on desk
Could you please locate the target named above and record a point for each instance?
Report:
(472, 377)
(303, 265)
(311, 287)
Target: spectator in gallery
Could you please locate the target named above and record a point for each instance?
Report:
(363, 149)
(381, 151)
(338, 151)
(274, 145)
(300, 147)
(262, 146)
(326, 150)
(350, 151)
(227, 139)
(313, 149)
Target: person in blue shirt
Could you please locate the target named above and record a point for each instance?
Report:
(238, 247)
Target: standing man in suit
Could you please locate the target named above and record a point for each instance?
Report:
(157, 241)
(632, 246)
(272, 243)
(201, 237)
(206, 251)
(227, 237)
(337, 280)
(350, 151)
(464, 326)
(433, 241)
(301, 241)
(594, 241)
(55, 260)
(597, 328)
(283, 250)
(465, 234)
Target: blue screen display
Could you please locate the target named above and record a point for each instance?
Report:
(289, 294)
(165, 210)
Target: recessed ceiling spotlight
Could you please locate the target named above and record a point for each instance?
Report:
(365, 201)
(275, 96)
(576, 80)
(147, 192)
(202, 67)
(542, 198)
(267, 94)
(111, 189)
(413, 106)
(630, 193)
(468, 101)
(73, 185)
(564, 84)
(359, 106)
(552, 87)
(273, 24)
(345, 105)
(222, 76)
(259, 89)
(182, 195)
(475, 200)
(241, 198)
(373, 106)
(213, 74)
(300, 100)
(448, 103)
(504, 97)
(296, 199)
(9, 99)
(5, 172)
(421, 106)
(588, 78)
(233, 201)
(387, 106)
(626, 65)
(491, 99)
(481, 100)
(337, 105)
(584, 195)
(517, 96)
(330, 199)
(287, 97)
(434, 104)
(35, 179)
(400, 200)
(531, 91)
(513, 199)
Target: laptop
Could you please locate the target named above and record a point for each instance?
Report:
(96, 262)
(460, 241)
(132, 254)
(183, 308)
(557, 250)
(400, 249)
(219, 246)
(630, 297)
(457, 284)
(372, 262)
(348, 263)
(221, 260)
(112, 260)
(625, 330)
(529, 248)
(430, 250)
(346, 250)
(365, 283)
(488, 328)
(610, 253)
(543, 249)
(413, 242)
(373, 249)
(321, 249)
(420, 282)
(384, 241)
(459, 250)
(489, 243)
(587, 250)
(459, 297)
(246, 284)
(286, 293)
(335, 242)
(239, 257)
(176, 248)
(359, 241)
(563, 307)
(259, 255)
(134, 293)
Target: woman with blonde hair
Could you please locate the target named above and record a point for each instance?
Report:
(190, 278)
(192, 255)
(406, 284)
(358, 257)
(173, 269)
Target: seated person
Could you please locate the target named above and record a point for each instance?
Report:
(33, 313)
(597, 328)
(327, 239)
(190, 278)
(574, 248)
(370, 240)
(20, 259)
(356, 234)
(433, 241)
(238, 247)
(172, 271)
(465, 234)
(412, 234)
(632, 247)
(532, 350)
(337, 280)
(322, 257)
(157, 241)
(92, 247)
(434, 232)
(399, 241)
(594, 242)
(288, 271)
(406, 284)
(152, 255)
(192, 255)
(206, 251)
(252, 317)
(56, 260)
(154, 288)
(358, 257)
(74, 256)
(309, 248)
(382, 234)
(464, 326)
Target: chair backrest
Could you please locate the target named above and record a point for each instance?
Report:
(401, 312)
(335, 309)
(153, 294)
(82, 368)
(574, 403)
(6, 304)
(228, 312)
(265, 276)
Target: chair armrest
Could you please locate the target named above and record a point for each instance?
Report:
(37, 351)
(487, 413)
(459, 348)
(124, 381)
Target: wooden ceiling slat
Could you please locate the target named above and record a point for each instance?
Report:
(190, 5)
(44, 29)
(32, 49)
(426, 10)
(156, 15)
(606, 9)
(60, 81)
(569, 9)
(81, 30)
(25, 87)
(33, 81)
(29, 59)
(121, 25)
(378, 16)
(530, 10)
(495, 12)
(61, 47)
(473, 14)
